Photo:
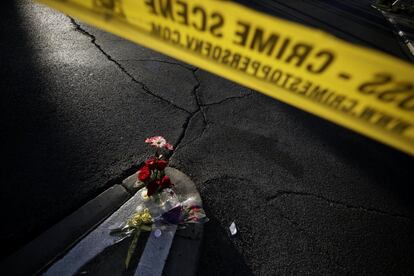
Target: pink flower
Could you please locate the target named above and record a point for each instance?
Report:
(168, 146)
(159, 142)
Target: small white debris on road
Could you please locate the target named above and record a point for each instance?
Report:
(233, 229)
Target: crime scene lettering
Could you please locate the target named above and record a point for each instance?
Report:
(387, 90)
(181, 12)
(167, 34)
(272, 44)
(288, 81)
(356, 87)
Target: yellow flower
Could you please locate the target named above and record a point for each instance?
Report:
(140, 218)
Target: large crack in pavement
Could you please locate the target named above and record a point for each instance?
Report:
(228, 99)
(185, 66)
(144, 87)
(129, 171)
(201, 107)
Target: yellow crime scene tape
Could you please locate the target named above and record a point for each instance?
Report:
(356, 87)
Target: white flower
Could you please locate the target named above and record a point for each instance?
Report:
(156, 141)
(159, 142)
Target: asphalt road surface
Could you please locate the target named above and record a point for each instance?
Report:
(307, 196)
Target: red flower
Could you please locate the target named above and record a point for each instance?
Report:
(161, 164)
(150, 163)
(144, 174)
(165, 182)
(152, 187)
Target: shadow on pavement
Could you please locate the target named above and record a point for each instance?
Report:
(112, 260)
(219, 256)
(31, 168)
(388, 168)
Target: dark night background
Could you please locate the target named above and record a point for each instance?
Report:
(309, 197)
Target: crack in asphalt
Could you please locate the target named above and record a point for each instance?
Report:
(200, 109)
(310, 236)
(194, 70)
(118, 179)
(144, 87)
(200, 106)
(228, 99)
(161, 61)
(198, 99)
(183, 133)
(282, 193)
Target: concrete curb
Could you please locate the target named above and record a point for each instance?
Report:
(40, 252)
(36, 256)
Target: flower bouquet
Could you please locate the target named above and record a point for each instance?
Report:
(161, 204)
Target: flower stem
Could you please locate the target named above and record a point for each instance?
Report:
(132, 247)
